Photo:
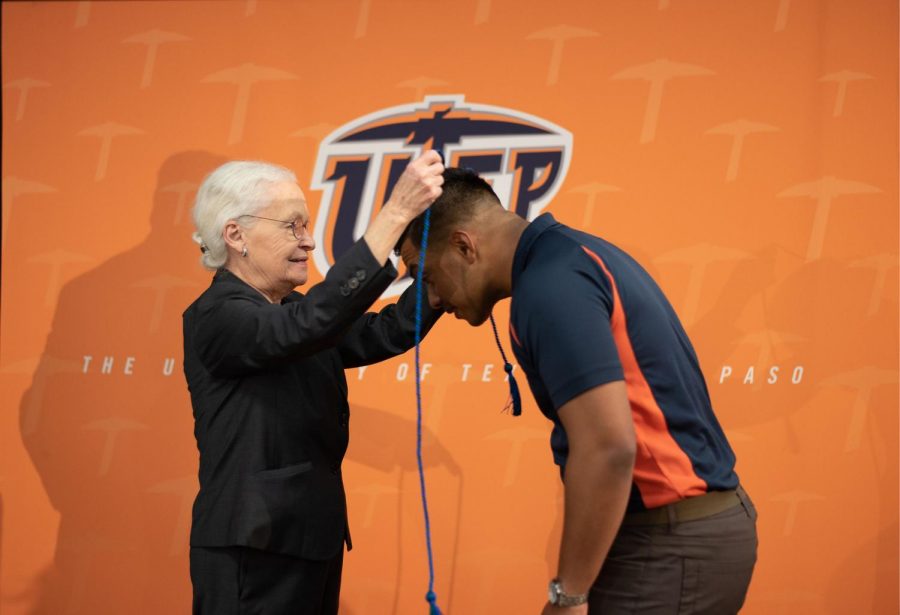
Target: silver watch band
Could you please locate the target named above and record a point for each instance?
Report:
(572, 600)
(559, 598)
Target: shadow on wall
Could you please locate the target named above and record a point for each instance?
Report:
(107, 419)
(878, 553)
(382, 441)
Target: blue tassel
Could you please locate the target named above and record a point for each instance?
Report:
(432, 600)
(515, 398)
(514, 390)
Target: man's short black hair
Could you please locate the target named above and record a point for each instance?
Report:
(464, 192)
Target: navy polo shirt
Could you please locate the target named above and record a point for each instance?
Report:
(585, 313)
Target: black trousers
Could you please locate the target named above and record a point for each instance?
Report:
(700, 567)
(245, 581)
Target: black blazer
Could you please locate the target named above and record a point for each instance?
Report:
(270, 402)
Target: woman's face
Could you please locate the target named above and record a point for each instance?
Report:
(277, 258)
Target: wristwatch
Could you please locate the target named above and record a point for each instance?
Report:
(560, 598)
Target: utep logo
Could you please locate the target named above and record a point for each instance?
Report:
(525, 158)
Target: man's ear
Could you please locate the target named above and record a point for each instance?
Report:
(464, 244)
(233, 235)
(409, 254)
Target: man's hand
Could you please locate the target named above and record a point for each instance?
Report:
(418, 186)
(549, 609)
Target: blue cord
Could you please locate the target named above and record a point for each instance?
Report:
(430, 597)
(515, 398)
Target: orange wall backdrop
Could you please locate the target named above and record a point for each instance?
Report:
(744, 152)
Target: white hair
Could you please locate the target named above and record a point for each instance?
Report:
(235, 189)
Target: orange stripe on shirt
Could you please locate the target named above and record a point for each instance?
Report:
(663, 472)
(512, 331)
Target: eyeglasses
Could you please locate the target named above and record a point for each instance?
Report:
(297, 228)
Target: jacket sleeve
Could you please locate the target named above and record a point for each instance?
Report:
(240, 332)
(392, 331)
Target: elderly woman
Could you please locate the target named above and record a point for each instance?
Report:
(265, 368)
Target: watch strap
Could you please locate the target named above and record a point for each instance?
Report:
(564, 599)
(572, 599)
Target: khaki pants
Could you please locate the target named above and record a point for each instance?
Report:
(680, 568)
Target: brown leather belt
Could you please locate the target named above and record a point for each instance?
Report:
(690, 509)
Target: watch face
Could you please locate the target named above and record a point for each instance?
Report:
(553, 592)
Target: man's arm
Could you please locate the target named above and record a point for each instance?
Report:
(598, 480)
